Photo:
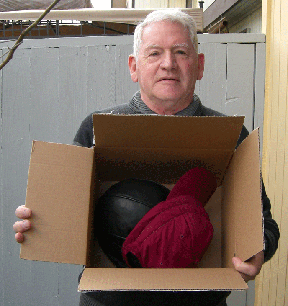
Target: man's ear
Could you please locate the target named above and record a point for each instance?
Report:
(132, 68)
(201, 62)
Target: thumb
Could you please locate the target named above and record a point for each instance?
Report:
(236, 261)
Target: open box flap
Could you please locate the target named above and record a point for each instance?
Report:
(58, 191)
(163, 148)
(242, 206)
(153, 131)
(102, 279)
(160, 165)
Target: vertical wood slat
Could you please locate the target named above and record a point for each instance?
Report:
(44, 89)
(272, 288)
(1, 186)
(102, 87)
(281, 208)
(13, 137)
(73, 89)
(269, 294)
(259, 89)
(261, 286)
(214, 76)
(16, 135)
(276, 163)
(124, 85)
(283, 98)
(240, 82)
(229, 75)
(1, 180)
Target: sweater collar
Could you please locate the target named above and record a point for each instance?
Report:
(140, 107)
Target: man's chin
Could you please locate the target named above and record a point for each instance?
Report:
(169, 98)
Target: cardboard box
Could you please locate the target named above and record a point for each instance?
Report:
(63, 180)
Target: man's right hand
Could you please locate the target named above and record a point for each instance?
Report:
(20, 227)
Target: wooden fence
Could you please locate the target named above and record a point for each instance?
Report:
(47, 90)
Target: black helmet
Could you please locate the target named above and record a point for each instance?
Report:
(118, 211)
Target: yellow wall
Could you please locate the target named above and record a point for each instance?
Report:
(272, 284)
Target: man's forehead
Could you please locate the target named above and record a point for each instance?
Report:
(155, 35)
(163, 23)
(154, 32)
(147, 48)
(152, 46)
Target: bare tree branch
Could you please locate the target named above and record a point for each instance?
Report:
(25, 32)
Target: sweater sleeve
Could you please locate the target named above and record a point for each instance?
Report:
(84, 135)
(271, 230)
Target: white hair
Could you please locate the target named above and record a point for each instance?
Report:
(172, 15)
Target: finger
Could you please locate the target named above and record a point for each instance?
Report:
(23, 212)
(247, 268)
(19, 237)
(237, 264)
(21, 226)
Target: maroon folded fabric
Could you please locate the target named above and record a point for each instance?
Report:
(198, 183)
(176, 232)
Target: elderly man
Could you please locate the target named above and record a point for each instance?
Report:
(166, 64)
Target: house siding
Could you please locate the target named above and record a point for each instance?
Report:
(253, 23)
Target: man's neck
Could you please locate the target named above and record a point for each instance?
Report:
(167, 107)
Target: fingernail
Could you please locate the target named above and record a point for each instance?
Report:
(26, 224)
(27, 212)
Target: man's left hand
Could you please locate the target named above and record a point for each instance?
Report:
(250, 268)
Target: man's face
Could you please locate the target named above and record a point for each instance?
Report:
(167, 67)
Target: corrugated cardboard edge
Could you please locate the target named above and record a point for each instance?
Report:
(123, 279)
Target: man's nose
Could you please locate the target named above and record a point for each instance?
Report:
(168, 61)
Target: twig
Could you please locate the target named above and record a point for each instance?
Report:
(25, 32)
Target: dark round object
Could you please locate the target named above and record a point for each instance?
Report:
(120, 208)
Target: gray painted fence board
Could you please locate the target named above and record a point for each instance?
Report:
(124, 40)
(47, 90)
(240, 82)
(102, 88)
(239, 38)
(125, 88)
(13, 148)
(212, 87)
(260, 55)
(72, 90)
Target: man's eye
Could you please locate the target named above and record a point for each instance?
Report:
(181, 52)
(155, 53)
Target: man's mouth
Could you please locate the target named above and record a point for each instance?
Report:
(168, 79)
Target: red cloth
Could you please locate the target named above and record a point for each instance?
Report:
(176, 232)
(198, 183)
